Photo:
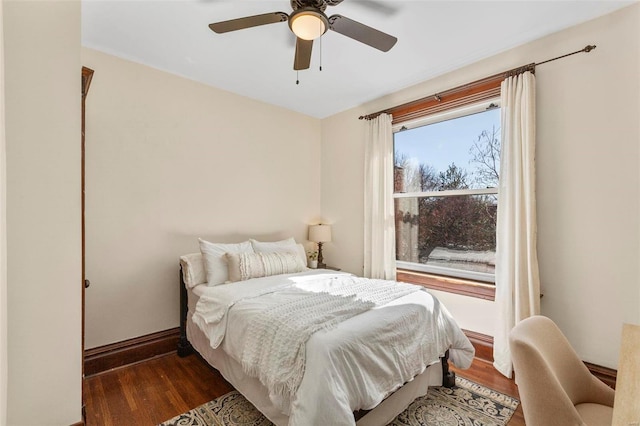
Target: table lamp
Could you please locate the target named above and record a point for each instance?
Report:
(320, 234)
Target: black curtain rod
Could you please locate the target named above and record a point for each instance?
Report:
(515, 71)
(586, 49)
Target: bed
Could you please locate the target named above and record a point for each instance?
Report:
(373, 355)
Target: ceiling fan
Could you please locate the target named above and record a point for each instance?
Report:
(308, 22)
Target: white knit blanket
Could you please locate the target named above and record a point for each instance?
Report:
(274, 350)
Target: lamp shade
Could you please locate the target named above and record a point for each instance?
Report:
(320, 233)
(308, 24)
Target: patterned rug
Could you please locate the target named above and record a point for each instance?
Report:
(466, 404)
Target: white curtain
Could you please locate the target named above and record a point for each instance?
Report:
(379, 231)
(3, 243)
(517, 280)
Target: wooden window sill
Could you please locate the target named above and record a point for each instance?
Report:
(450, 285)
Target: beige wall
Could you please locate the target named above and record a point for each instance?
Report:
(587, 180)
(42, 83)
(170, 160)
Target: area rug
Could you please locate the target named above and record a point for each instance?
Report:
(466, 404)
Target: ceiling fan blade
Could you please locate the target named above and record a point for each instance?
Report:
(302, 59)
(378, 6)
(248, 22)
(384, 8)
(362, 33)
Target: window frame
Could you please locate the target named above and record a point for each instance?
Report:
(468, 283)
(447, 284)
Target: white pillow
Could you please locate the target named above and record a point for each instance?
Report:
(193, 271)
(214, 261)
(302, 253)
(288, 245)
(270, 247)
(243, 266)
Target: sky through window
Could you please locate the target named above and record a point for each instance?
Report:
(440, 144)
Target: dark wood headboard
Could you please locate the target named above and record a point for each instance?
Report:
(184, 347)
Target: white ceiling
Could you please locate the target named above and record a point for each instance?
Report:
(434, 37)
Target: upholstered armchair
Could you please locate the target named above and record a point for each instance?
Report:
(555, 386)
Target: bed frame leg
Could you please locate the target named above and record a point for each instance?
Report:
(448, 377)
(184, 347)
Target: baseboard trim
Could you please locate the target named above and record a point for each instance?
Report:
(131, 351)
(483, 345)
(607, 375)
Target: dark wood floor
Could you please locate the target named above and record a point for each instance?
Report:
(156, 390)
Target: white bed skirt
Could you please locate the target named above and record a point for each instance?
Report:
(257, 394)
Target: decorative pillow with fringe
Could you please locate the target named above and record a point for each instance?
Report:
(244, 266)
(288, 245)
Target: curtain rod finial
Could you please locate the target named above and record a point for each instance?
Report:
(589, 48)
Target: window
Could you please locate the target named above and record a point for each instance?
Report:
(446, 176)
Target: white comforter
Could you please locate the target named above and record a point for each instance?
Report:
(351, 366)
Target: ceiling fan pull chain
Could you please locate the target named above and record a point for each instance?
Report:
(320, 53)
(297, 77)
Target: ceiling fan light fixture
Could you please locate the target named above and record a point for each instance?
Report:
(308, 24)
